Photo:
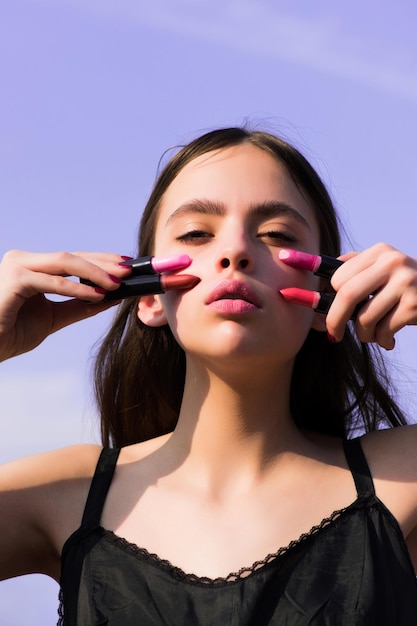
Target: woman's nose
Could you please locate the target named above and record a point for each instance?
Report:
(240, 264)
(235, 254)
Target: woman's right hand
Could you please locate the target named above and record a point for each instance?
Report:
(27, 317)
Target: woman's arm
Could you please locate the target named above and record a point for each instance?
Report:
(42, 497)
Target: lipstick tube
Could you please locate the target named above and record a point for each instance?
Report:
(136, 286)
(317, 300)
(327, 265)
(323, 265)
(157, 265)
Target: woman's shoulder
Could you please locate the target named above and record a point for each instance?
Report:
(392, 448)
(392, 454)
(57, 479)
(42, 499)
(71, 462)
(392, 458)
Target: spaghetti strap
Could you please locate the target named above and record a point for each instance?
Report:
(352, 568)
(74, 546)
(99, 486)
(359, 467)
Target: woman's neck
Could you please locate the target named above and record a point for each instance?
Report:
(230, 423)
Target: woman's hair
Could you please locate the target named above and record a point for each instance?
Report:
(140, 371)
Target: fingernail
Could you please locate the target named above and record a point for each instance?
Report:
(115, 279)
(331, 338)
(100, 290)
(126, 258)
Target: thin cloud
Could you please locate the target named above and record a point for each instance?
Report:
(42, 412)
(319, 43)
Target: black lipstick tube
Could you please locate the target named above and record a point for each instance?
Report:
(134, 286)
(328, 266)
(325, 301)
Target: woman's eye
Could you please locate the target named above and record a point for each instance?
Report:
(194, 235)
(278, 236)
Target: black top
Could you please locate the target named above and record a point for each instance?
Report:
(352, 569)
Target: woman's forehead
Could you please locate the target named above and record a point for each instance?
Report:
(237, 175)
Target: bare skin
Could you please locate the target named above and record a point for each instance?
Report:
(276, 509)
(236, 480)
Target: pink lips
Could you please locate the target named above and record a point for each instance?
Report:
(233, 296)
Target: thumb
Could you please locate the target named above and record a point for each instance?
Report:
(72, 311)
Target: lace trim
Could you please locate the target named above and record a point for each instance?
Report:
(233, 577)
(61, 609)
(179, 574)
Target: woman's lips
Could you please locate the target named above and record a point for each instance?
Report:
(233, 296)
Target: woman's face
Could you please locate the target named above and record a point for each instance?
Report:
(232, 211)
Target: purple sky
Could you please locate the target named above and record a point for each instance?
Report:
(93, 93)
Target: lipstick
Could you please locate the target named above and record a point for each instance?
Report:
(157, 265)
(317, 300)
(136, 286)
(320, 265)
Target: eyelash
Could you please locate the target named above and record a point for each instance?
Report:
(195, 235)
(277, 234)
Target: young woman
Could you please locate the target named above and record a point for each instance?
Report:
(229, 490)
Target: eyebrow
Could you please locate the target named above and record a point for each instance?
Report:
(275, 208)
(267, 209)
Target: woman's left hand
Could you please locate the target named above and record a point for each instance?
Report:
(390, 278)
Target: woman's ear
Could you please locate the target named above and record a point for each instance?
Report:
(151, 312)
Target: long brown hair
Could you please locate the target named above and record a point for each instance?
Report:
(140, 371)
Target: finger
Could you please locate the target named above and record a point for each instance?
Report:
(374, 324)
(32, 283)
(344, 306)
(348, 255)
(72, 311)
(109, 262)
(19, 280)
(380, 270)
(378, 312)
(403, 314)
(386, 312)
(393, 306)
(381, 258)
(95, 266)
